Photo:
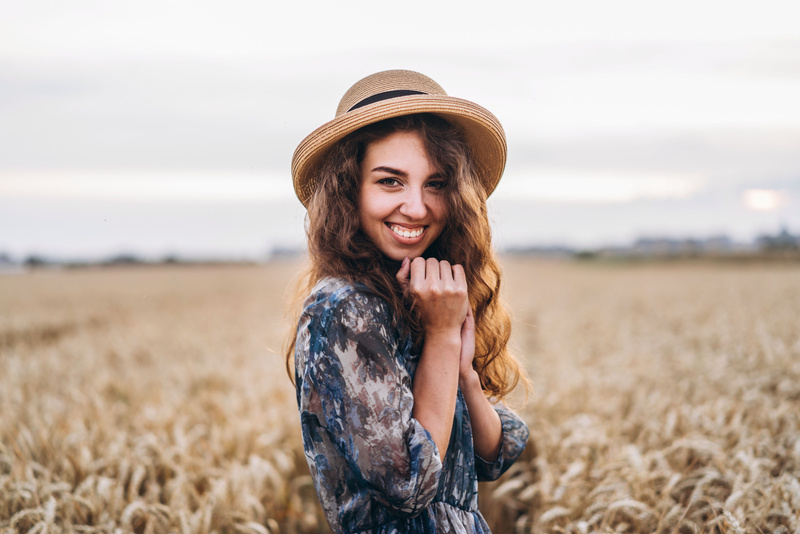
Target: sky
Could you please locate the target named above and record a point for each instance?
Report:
(167, 127)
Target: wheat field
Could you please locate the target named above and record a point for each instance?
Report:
(154, 399)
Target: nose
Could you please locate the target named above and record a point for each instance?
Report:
(413, 205)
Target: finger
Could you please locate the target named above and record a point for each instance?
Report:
(459, 276)
(432, 269)
(467, 330)
(417, 271)
(445, 271)
(467, 341)
(404, 274)
(469, 322)
(470, 317)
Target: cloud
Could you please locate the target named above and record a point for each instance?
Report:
(730, 156)
(256, 29)
(149, 186)
(597, 186)
(145, 115)
(97, 228)
(707, 213)
(618, 114)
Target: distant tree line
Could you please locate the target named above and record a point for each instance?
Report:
(783, 243)
(34, 261)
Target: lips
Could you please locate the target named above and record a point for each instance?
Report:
(408, 233)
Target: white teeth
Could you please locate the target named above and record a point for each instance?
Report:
(407, 233)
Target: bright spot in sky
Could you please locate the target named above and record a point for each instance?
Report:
(762, 199)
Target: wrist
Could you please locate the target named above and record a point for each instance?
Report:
(450, 336)
(469, 379)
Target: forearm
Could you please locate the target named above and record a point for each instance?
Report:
(436, 386)
(487, 431)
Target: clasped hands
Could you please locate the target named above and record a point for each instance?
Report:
(439, 291)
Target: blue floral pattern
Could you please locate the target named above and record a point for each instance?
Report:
(375, 468)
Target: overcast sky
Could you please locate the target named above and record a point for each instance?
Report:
(160, 127)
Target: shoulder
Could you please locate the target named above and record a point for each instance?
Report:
(351, 304)
(347, 326)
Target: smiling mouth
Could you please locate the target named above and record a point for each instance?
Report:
(406, 232)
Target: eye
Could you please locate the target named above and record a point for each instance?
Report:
(389, 181)
(437, 185)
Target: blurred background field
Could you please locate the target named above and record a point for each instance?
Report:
(154, 399)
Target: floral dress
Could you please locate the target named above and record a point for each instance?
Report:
(375, 468)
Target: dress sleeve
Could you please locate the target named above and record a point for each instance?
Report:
(515, 436)
(366, 401)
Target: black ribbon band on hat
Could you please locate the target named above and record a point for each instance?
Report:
(385, 96)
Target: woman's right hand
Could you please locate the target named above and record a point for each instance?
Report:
(439, 291)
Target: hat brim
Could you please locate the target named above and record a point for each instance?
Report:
(481, 129)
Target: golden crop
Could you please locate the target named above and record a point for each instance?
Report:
(154, 399)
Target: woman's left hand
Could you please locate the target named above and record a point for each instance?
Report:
(465, 369)
(487, 430)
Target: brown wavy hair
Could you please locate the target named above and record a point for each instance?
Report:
(339, 248)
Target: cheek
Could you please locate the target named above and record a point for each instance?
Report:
(377, 205)
(368, 210)
(440, 209)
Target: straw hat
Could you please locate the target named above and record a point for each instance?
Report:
(393, 93)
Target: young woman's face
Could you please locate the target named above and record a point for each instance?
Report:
(401, 202)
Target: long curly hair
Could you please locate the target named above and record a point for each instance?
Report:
(339, 248)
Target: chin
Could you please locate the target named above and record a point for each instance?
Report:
(398, 255)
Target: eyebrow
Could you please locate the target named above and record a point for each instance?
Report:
(391, 170)
(403, 174)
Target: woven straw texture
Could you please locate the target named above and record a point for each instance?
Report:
(387, 81)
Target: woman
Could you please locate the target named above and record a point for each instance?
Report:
(402, 336)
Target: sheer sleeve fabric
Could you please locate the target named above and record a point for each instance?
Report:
(361, 394)
(515, 436)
